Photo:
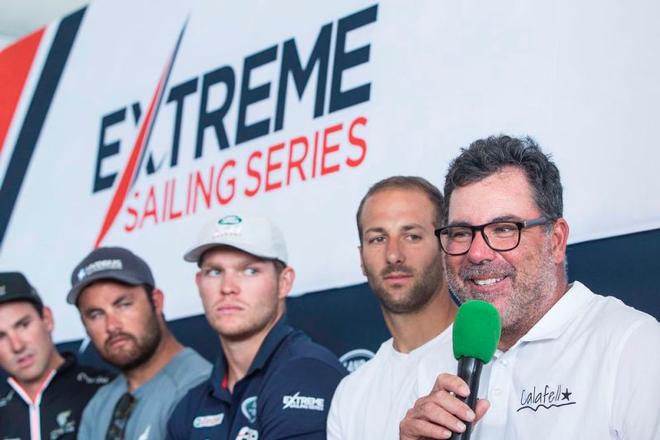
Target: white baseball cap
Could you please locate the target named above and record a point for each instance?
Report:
(252, 234)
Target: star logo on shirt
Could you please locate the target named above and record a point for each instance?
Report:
(566, 395)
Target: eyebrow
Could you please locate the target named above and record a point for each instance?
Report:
(501, 218)
(123, 297)
(22, 320)
(380, 229)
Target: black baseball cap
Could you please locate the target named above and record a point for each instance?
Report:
(109, 263)
(15, 287)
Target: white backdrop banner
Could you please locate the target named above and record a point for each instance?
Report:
(133, 123)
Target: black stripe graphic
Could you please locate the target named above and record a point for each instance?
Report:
(36, 115)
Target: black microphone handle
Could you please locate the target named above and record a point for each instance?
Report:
(469, 369)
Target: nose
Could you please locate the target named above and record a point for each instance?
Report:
(16, 343)
(112, 323)
(395, 253)
(479, 250)
(228, 285)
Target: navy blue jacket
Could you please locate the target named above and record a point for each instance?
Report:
(60, 407)
(285, 394)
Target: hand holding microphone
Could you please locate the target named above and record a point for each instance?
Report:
(452, 407)
(477, 330)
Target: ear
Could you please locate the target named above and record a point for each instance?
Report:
(159, 300)
(287, 277)
(48, 319)
(559, 240)
(198, 278)
(361, 261)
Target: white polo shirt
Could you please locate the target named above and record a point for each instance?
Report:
(589, 369)
(371, 402)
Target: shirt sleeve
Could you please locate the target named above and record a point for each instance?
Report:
(177, 422)
(635, 413)
(334, 425)
(86, 422)
(294, 403)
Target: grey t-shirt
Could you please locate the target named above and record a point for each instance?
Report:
(156, 399)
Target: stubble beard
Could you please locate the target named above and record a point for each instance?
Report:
(252, 328)
(418, 295)
(139, 351)
(531, 293)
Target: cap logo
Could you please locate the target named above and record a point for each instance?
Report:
(98, 266)
(230, 220)
(228, 230)
(3, 290)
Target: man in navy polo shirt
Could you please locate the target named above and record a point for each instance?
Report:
(270, 381)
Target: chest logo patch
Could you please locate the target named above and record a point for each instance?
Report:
(64, 425)
(5, 400)
(247, 434)
(547, 397)
(249, 408)
(208, 421)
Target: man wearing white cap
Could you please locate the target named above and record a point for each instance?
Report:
(270, 381)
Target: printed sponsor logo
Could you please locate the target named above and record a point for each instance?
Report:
(208, 421)
(65, 426)
(354, 359)
(249, 408)
(247, 434)
(303, 402)
(99, 380)
(99, 266)
(230, 220)
(234, 230)
(284, 150)
(547, 397)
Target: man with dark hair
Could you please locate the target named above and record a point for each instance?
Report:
(402, 261)
(46, 391)
(122, 311)
(570, 363)
(270, 381)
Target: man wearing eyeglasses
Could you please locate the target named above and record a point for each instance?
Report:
(570, 363)
(270, 381)
(46, 391)
(402, 261)
(122, 311)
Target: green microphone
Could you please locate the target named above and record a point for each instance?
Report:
(476, 333)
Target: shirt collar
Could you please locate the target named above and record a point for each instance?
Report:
(69, 361)
(274, 338)
(561, 315)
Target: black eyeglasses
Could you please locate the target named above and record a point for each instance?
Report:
(500, 236)
(120, 416)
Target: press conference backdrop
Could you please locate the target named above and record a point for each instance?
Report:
(133, 123)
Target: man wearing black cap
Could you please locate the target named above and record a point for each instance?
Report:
(46, 392)
(270, 381)
(122, 312)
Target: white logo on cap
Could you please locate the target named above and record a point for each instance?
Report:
(3, 290)
(228, 230)
(98, 266)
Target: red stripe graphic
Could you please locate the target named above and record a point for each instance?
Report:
(139, 148)
(132, 165)
(15, 63)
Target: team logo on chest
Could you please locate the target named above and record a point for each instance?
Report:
(249, 408)
(64, 425)
(547, 397)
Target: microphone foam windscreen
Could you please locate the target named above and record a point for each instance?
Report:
(477, 329)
